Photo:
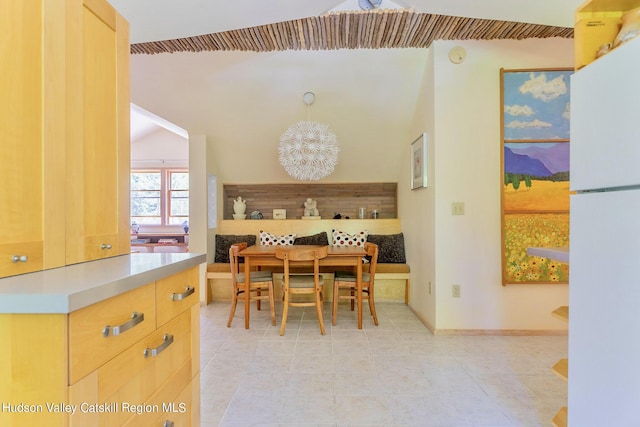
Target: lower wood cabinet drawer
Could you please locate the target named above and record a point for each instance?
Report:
(175, 294)
(182, 415)
(167, 402)
(122, 388)
(134, 376)
(99, 332)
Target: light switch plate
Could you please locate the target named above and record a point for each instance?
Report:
(457, 208)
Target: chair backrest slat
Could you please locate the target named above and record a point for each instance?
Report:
(234, 251)
(372, 252)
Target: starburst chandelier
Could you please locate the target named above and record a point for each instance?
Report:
(308, 150)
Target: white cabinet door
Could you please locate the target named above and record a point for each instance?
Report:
(604, 315)
(605, 121)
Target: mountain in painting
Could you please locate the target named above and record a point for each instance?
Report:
(554, 156)
(523, 164)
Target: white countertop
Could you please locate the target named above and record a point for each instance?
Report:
(66, 289)
(559, 254)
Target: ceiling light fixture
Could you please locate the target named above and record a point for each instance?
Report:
(308, 150)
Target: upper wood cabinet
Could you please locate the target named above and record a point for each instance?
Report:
(31, 131)
(597, 23)
(64, 133)
(98, 134)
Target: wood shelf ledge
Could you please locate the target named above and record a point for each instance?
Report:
(561, 368)
(561, 312)
(560, 419)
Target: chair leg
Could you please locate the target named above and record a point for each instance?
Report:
(272, 305)
(319, 310)
(334, 311)
(372, 307)
(285, 312)
(353, 298)
(234, 302)
(258, 294)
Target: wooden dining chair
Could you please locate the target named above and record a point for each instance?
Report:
(297, 284)
(261, 288)
(348, 280)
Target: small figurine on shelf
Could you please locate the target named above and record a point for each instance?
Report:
(310, 208)
(185, 227)
(239, 208)
(135, 228)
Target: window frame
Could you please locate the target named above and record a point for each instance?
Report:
(165, 194)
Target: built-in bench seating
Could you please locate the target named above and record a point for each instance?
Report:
(388, 275)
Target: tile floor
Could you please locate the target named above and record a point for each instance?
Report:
(395, 374)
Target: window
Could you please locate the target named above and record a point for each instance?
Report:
(160, 196)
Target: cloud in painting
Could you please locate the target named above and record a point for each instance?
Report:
(518, 124)
(566, 114)
(539, 88)
(518, 110)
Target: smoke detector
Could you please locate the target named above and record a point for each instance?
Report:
(369, 4)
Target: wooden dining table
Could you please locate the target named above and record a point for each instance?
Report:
(338, 256)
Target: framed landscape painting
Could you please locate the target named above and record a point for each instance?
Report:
(419, 162)
(535, 172)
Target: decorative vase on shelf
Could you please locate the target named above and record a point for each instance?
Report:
(630, 27)
(239, 206)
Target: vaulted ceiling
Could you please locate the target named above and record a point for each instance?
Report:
(209, 26)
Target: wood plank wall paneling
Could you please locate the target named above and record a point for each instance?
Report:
(344, 199)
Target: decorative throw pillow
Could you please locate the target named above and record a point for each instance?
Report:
(224, 242)
(316, 239)
(268, 239)
(390, 247)
(340, 238)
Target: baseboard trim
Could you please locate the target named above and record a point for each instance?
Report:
(491, 332)
(502, 332)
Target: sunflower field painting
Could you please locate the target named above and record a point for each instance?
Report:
(534, 230)
(535, 173)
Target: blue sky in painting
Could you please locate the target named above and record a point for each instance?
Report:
(536, 105)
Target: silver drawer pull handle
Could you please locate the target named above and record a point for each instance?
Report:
(190, 290)
(136, 318)
(19, 258)
(168, 424)
(105, 246)
(153, 352)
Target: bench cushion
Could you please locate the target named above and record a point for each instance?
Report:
(224, 242)
(390, 248)
(316, 239)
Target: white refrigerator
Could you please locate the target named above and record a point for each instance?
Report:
(604, 260)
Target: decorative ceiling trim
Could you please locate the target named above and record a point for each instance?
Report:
(375, 29)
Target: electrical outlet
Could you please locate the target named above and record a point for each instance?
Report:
(455, 291)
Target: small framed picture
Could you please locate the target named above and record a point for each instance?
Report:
(279, 214)
(419, 162)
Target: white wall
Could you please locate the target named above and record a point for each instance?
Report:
(160, 149)
(466, 150)
(248, 99)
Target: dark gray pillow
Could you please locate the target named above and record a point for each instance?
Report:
(224, 242)
(316, 239)
(390, 247)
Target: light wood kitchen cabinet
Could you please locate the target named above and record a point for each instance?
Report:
(64, 134)
(146, 371)
(97, 152)
(31, 123)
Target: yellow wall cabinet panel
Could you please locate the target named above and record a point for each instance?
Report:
(32, 112)
(33, 368)
(98, 134)
(64, 134)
